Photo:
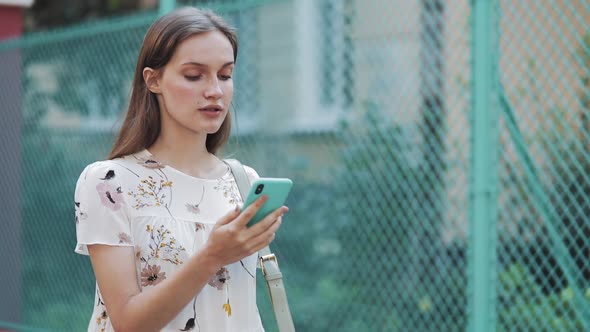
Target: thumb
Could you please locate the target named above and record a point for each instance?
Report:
(231, 215)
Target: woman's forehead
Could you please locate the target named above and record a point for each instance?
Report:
(207, 49)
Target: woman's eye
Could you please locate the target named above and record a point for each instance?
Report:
(225, 77)
(192, 78)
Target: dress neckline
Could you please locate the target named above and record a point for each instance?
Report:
(147, 159)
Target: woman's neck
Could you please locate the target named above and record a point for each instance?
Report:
(191, 157)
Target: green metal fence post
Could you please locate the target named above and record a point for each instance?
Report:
(166, 6)
(483, 178)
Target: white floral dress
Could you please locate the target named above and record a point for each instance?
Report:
(166, 216)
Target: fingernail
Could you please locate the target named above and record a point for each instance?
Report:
(237, 209)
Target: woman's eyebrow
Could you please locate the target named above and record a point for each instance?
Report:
(193, 63)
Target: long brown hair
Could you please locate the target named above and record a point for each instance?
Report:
(141, 126)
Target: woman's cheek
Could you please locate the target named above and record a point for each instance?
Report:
(183, 89)
(228, 91)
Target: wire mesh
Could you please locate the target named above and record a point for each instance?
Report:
(545, 195)
(366, 105)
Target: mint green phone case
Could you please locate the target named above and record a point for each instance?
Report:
(277, 190)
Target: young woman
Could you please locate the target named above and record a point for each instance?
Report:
(160, 219)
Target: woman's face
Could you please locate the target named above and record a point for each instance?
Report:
(195, 88)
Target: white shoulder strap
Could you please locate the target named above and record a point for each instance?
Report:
(268, 261)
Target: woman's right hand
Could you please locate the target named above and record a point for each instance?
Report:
(231, 240)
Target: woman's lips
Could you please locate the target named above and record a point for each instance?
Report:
(211, 112)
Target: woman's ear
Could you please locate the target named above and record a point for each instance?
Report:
(151, 79)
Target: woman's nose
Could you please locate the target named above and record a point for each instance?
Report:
(213, 89)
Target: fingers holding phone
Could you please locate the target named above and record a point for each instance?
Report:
(241, 233)
(276, 189)
(270, 223)
(264, 207)
(250, 211)
(231, 240)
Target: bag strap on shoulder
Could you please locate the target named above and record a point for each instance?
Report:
(268, 261)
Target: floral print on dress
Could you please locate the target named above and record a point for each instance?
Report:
(230, 191)
(138, 253)
(110, 196)
(102, 317)
(151, 275)
(150, 163)
(124, 238)
(227, 308)
(199, 226)
(162, 246)
(219, 279)
(194, 207)
(101, 320)
(190, 323)
(150, 193)
(80, 214)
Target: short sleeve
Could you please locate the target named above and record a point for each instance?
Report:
(101, 210)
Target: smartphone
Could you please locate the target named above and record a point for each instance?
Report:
(277, 190)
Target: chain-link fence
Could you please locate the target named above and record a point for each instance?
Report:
(374, 108)
(544, 216)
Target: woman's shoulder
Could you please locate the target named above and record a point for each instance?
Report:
(117, 169)
(96, 168)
